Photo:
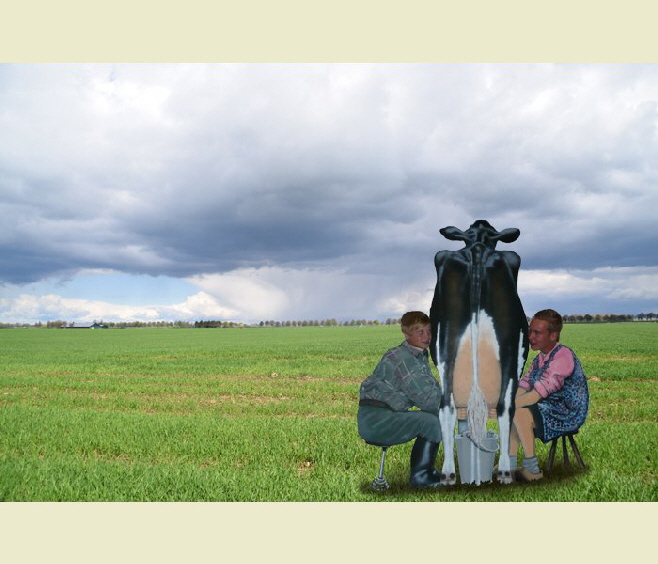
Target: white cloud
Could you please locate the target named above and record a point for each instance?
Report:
(30, 309)
(197, 307)
(608, 282)
(290, 294)
(244, 292)
(260, 294)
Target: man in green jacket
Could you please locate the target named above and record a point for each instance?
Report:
(402, 380)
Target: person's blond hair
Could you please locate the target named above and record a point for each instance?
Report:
(413, 319)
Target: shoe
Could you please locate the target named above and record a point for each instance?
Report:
(422, 471)
(524, 475)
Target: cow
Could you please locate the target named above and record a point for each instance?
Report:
(479, 338)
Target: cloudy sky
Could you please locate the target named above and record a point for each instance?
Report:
(292, 192)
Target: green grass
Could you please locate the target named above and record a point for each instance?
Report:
(270, 415)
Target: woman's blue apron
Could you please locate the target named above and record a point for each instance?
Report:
(563, 411)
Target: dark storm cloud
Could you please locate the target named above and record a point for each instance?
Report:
(184, 170)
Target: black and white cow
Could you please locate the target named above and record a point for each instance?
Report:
(479, 337)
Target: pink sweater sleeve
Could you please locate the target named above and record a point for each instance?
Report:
(524, 382)
(558, 370)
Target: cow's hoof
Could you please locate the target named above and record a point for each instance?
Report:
(448, 480)
(505, 477)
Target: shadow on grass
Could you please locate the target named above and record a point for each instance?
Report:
(400, 490)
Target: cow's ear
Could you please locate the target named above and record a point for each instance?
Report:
(453, 233)
(509, 235)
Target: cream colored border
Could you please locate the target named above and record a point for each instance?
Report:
(318, 533)
(338, 31)
(329, 31)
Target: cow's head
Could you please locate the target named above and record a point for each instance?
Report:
(481, 231)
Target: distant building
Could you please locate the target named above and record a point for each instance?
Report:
(93, 325)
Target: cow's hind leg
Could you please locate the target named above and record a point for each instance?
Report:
(504, 427)
(447, 418)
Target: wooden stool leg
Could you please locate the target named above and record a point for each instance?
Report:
(576, 452)
(551, 455)
(564, 452)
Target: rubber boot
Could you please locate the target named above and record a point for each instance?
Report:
(422, 473)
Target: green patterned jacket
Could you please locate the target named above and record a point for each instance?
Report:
(403, 379)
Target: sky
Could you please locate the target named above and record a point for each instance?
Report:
(255, 192)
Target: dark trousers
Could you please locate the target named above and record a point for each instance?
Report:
(385, 426)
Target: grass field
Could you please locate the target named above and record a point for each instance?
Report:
(269, 414)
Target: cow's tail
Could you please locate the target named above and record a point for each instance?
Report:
(476, 409)
(477, 413)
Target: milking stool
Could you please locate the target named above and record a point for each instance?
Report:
(574, 448)
(379, 484)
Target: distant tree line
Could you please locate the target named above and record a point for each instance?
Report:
(328, 323)
(216, 324)
(57, 324)
(607, 318)
(204, 324)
